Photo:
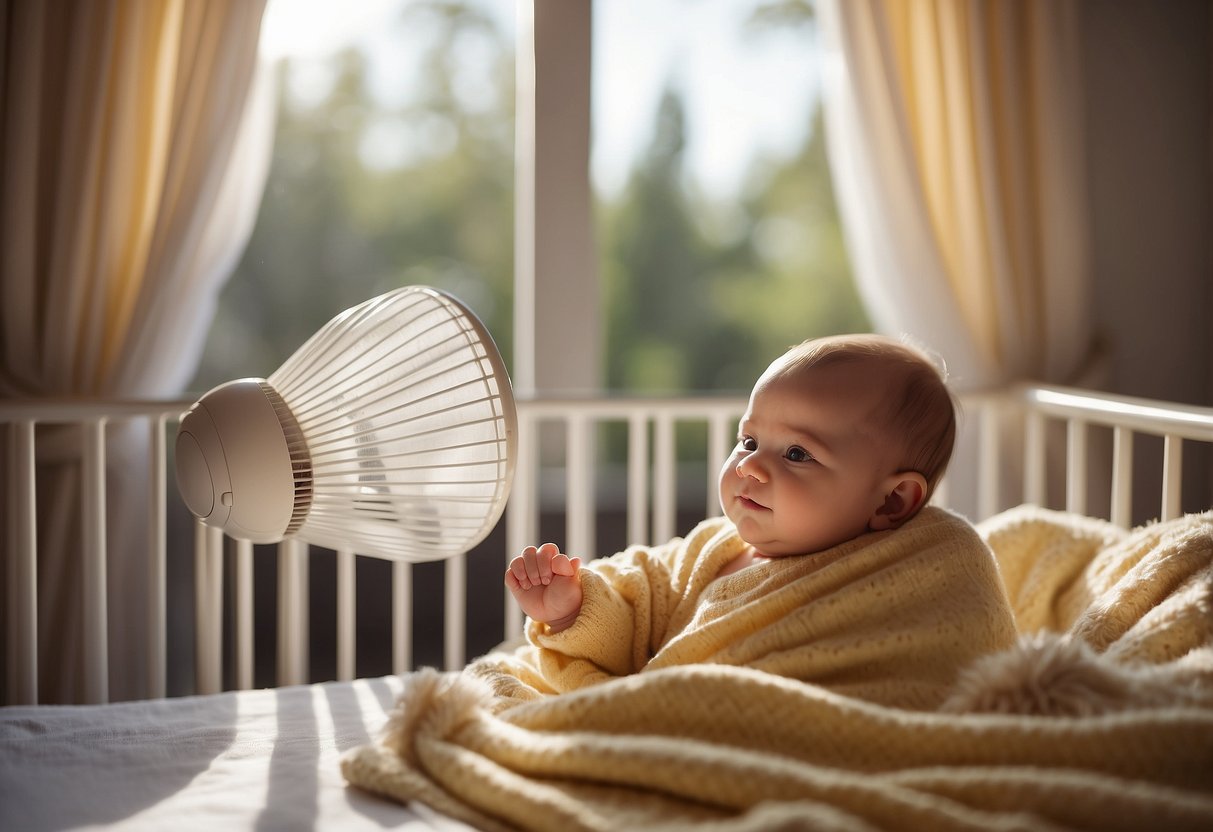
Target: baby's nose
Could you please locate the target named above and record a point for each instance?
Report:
(749, 466)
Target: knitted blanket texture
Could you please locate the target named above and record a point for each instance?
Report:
(1047, 671)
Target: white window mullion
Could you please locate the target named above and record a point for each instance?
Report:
(556, 296)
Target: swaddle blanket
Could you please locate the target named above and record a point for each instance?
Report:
(1100, 719)
(888, 617)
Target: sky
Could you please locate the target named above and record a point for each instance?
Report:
(744, 94)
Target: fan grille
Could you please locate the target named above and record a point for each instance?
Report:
(410, 427)
(301, 460)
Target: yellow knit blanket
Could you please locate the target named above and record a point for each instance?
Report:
(1106, 724)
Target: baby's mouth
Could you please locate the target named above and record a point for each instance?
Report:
(750, 503)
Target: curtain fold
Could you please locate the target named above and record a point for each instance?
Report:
(136, 142)
(956, 143)
(136, 137)
(955, 133)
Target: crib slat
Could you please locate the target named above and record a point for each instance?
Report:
(522, 511)
(292, 606)
(202, 622)
(1034, 459)
(157, 640)
(22, 603)
(1122, 477)
(665, 498)
(1076, 466)
(719, 428)
(93, 571)
(244, 615)
(346, 614)
(214, 551)
(988, 465)
(638, 478)
(1172, 476)
(454, 608)
(402, 616)
(208, 608)
(579, 475)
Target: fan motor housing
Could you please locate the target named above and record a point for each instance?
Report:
(233, 463)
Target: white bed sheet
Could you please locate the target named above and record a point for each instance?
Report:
(264, 760)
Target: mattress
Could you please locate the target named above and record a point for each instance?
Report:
(264, 759)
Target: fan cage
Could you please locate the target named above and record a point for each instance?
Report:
(410, 427)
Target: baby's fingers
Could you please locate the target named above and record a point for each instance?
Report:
(511, 580)
(523, 569)
(545, 556)
(564, 565)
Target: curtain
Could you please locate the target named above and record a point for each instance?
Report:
(136, 137)
(955, 133)
(956, 145)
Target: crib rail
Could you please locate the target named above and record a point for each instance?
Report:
(21, 573)
(1036, 408)
(563, 470)
(1126, 416)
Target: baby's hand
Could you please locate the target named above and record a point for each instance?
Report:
(546, 585)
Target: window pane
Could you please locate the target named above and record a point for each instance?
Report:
(392, 165)
(719, 241)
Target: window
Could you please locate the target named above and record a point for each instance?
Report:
(392, 164)
(719, 241)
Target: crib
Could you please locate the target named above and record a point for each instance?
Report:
(593, 474)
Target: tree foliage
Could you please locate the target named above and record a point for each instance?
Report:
(696, 308)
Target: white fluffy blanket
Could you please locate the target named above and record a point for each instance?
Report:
(1100, 718)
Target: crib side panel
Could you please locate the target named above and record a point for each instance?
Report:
(203, 613)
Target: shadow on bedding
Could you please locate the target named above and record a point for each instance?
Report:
(64, 767)
(292, 785)
(350, 731)
(315, 724)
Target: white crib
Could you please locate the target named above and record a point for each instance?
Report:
(564, 482)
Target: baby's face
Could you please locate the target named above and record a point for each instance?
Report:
(810, 468)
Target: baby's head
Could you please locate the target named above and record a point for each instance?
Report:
(917, 407)
(843, 435)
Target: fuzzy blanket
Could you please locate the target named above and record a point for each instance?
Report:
(1100, 717)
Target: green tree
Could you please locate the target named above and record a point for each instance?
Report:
(655, 259)
(690, 310)
(804, 279)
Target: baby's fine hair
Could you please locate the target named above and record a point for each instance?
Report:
(921, 407)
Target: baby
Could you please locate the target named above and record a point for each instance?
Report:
(825, 567)
(843, 435)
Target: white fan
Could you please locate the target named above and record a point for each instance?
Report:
(391, 432)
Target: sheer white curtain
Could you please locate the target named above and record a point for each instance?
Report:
(956, 146)
(136, 141)
(955, 132)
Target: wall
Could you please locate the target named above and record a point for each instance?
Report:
(1149, 151)
(1147, 66)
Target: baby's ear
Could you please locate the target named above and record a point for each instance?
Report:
(904, 494)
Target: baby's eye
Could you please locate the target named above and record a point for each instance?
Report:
(798, 454)
(749, 443)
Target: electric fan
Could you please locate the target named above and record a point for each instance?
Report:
(391, 432)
